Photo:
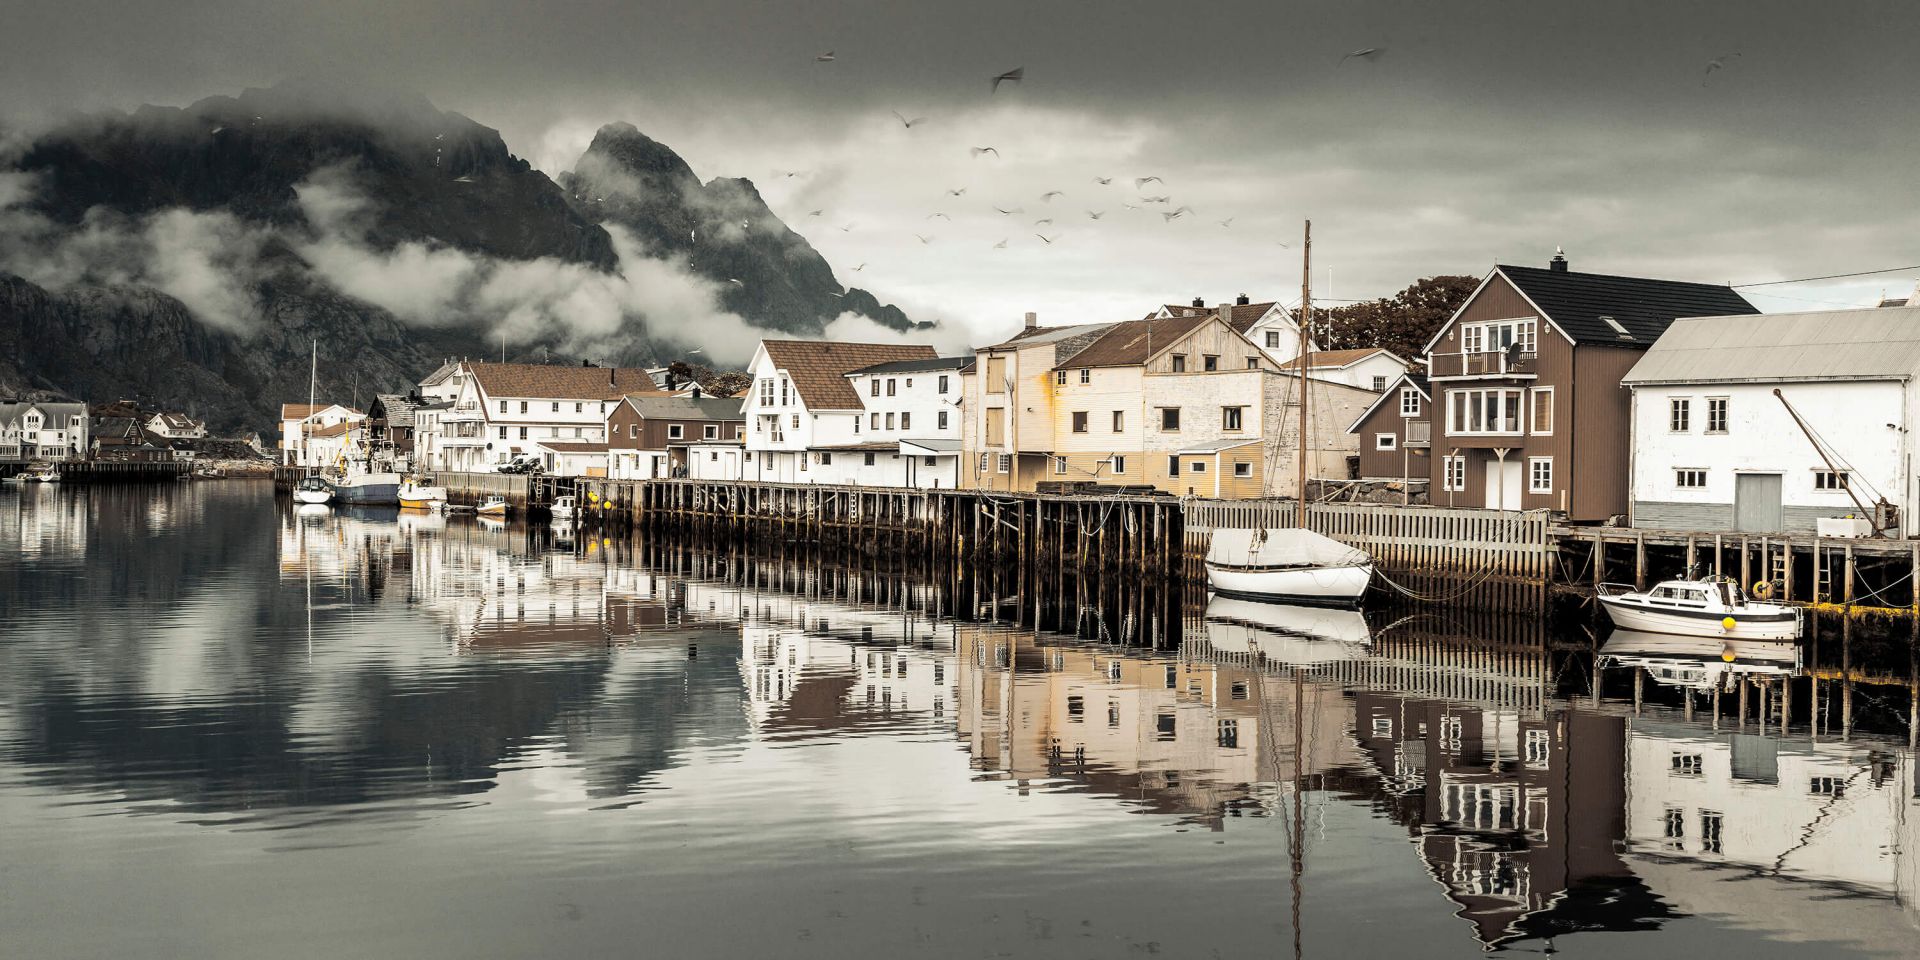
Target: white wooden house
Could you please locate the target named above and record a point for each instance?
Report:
(1714, 448)
(301, 423)
(43, 430)
(503, 410)
(803, 412)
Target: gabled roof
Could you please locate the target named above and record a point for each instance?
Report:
(301, 411)
(1034, 336)
(331, 431)
(916, 366)
(1331, 359)
(1135, 341)
(1870, 343)
(399, 408)
(657, 407)
(179, 421)
(1577, 302)
(818, 368)
(558, 382)
(1240, 316)
(1418, 381)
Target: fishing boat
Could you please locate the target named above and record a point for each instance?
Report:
(1699, 663)
(1710, 607)
(313, 490)
(370, 489)
(495, 507)
(1286, 565)
(1290, 564)
(562, 508)
(42, 473)
(415, 495)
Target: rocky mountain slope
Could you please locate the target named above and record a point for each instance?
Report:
(189, 256)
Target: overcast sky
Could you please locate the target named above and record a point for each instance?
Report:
(1481, 132)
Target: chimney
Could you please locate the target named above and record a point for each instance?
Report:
(1033, 320)
(1200, 302)
(1559, 262)
(585, 362)
(1240, 301)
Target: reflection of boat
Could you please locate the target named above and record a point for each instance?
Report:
(562, 508)
(491, 523)
(1286, 564)
(563, 531)
(1290, 634)
(1714, 607)
(416, 496)
(368, 488)
(312, 511)
(1700, 663)
(313, 491)
(495, 507)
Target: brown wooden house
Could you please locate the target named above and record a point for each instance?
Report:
(648, 434)
(1528, 407)
(1396, 433)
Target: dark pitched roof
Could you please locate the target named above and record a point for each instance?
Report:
(918, 366)
(559, 381)
(1126, 344)
(1325, 359)
(1240, 316)
(1576, 302)
(655, 407)
(818, 368)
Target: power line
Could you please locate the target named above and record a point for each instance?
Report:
(1831, 276)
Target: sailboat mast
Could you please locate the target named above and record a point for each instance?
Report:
(1300, 368)
(306, 423)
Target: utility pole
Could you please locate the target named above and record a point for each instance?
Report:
(1300, 364)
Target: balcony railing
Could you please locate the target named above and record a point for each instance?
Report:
(1484, 363)
(1419, 433)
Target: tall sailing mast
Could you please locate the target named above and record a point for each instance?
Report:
(1300, 369)
(306, 423)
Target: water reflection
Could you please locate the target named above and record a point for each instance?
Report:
(201, 659)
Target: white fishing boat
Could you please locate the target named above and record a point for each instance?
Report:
(1713, 607)
(1699, 663)
(313, 491)
(495, 507)
(1286, 633)
(562, 508)
(1286, 565)
(415, 495)
(42, 473)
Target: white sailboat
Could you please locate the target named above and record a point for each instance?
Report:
(313, 490)
(1290, 564)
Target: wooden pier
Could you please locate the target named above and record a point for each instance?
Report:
(130, 471)
(1856, 577)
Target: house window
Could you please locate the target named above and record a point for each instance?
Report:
(766, 392)
(1537, 747)
(906, 420)
(1060, 378)
(1169, 419)
(876, 421)
(710, 431)
(1198, 466)
(1716, 414)
(1229, 735)
(804, 460)
(1210, 363)
(1409, 402)
(1385, 441)
(1679, 415)
(826, 459)
(738, 431)
(1674, 827)
(856, 423)
(1830, 479)
(503, 408)
(1253, 363)
(523, 433)
(1710, 822)
(1173, 466)
(1086, 375)
(1541, 422)
(1826, 786)
(796, 421)
(785, 384)
(908, 384)
(676, 431)
(1273, 339)
(1179, 363)
(890, 386)
(1453, 475)
(1059, 465)
(942, 384)
(523, 406)
(889, 421)
(996, 374)
(1687, 764)
(1689, 478)
(1242, 469)
(1079, 421)
(633, 431)
(1379, 384)
(1230, 418)
(983, 463)
(1539, 474)
(579, 408)
(1486, 411)
(1006, 463)
(1119, 464)
(556, 407)
(873, 389)
(869, 460)
(940, 420)
(996, 426)
(1119, 421)
(927, 461)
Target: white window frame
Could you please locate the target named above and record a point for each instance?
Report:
(1679, 414)
(1233, 419)
(1539, 474)
(676, 431)
(1681, 476)
(1273, 339)
(1386, 442)
(1242, 469)
(1453, 474)
(1832, 481)
(1059, 466)
(1006, 463)
(1119, 464)
(1725, 411)
(1409, 402)
(1463, 404)
(1553, 411)
(710, 431)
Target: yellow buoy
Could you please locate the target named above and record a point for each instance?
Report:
(1762, 589)
(593, 496)
(608, 505)
(1728, 623)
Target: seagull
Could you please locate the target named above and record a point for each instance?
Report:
(1002, 245)
(824, 58)
(846, 228)
(955, 193)
(977, 151)
(790, 174)
(1155, 199)
(942, 216)
(1717, 63)
(1043, 236)
(1139, 182)
(1050, 194)
(1095, 214)
(1363, 54)
(1046, 220)
(1228, 222)
(732, 280)
(813, 213)
(836, 294)
(908, 123)
(859, 268)
(1103, 181)
(1015, 75)
(1007, 213)
(1129, 206)
(1177, 214)
(923, 240)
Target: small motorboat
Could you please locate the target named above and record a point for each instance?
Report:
(562, 508)
(42, 473)
(1286, 565)
(495, 507)
(313, 490)
(1711, 607)
(417, 496)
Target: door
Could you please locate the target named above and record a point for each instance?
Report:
(1756, 503)
(1503, 484)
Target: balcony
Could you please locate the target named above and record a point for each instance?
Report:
(1419, 433)
(1484, 363)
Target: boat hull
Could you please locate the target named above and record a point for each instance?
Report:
(372, 488)
(1337, 586)
(312, 497)
(1779, 624)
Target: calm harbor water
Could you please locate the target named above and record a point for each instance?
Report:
(230, 728)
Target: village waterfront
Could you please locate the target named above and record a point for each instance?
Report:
(231, 726)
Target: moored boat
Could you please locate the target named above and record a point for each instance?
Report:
(313, 490)
(562, 508)
(368, 488)
(1713, 607)
(417, 496)
(1286, 564)
(42, 473)
(495, 507)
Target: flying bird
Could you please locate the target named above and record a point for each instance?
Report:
(1103, 181)
(942, 216)
(1156, 199)
(977, 151)
(824, 58)
(1015, 75)
(955, 193)
(1007, 213)
(1717, 63)
(732, 280)
(859, 268)
(1139, 182)
(923, 240)
(1095, 214)
(907, 123)
(1363, 54)
(1050, 194)
(814, 213)
(1043, 236)
(790, 174)
(1041, 221)
(846, 228)
(1173, 215)
(1002, 245)
(1129, 206)
(1228, 222)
